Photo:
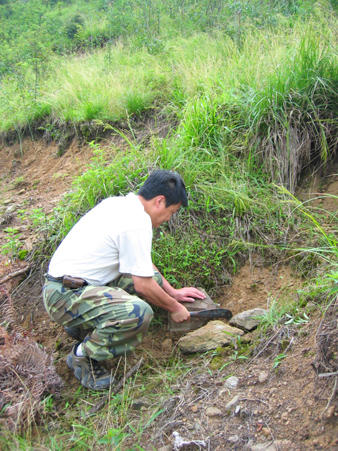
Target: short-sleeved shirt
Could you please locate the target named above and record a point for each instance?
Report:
(113, 238)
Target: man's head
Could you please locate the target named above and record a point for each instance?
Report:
(162, 195)
(166, 183)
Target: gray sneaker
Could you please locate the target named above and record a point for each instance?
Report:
(89, 372)
(77, 333)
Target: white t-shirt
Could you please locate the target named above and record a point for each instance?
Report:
(114, 237)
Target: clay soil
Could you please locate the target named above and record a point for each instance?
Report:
(288, 407)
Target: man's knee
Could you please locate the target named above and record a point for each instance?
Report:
(143, 311)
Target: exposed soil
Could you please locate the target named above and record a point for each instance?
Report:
(288, 406)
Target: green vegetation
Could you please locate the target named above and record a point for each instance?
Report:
(250, 90)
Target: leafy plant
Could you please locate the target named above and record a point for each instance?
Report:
(13, 245)
(278, 360)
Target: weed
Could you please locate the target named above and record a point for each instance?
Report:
(13, 245)
(278, 360)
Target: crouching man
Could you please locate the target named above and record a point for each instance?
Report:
(101, 278)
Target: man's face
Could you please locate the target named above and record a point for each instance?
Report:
(161, 213)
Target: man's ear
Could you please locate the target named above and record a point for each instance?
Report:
(160, 200)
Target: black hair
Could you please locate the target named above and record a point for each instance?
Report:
(165, 183)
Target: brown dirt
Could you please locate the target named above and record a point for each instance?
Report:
(288, 405)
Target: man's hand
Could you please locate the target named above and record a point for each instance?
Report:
(187, 294)
(180, 315)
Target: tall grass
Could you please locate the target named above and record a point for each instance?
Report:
(266, 99)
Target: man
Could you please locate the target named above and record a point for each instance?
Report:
(101, 277)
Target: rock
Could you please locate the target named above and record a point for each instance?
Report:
(266, 432)
(10, 209)
(330, 412)
(231, 404)
(233, 439)
(277, 445)
(211, 336)
(194, 323)
(166, 448)
(248, 320)
(263, 377)
(231, 382)
(213, 412)
(140, 404)
(167, 345)
(285, 416)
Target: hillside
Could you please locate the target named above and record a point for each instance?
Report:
(288, 406)
(240, 99)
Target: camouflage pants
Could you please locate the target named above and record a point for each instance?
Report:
(116, 319)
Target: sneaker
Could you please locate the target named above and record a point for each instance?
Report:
(89, 372)
(77, 333)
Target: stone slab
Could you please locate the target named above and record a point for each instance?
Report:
(213, 335)
(194, 323)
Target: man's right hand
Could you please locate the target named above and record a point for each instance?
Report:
(180, 315)
(153, 293)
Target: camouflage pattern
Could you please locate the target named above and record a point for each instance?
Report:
(116, 319)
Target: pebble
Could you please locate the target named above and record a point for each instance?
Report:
(232, 403)
(233, 439)
(266, 432)
(330, 412)
(231, 382)
(10, 209)
(275, 446)
(213, 412)
(263, 377)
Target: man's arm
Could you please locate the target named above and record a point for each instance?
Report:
(187, 294)
(150, 290)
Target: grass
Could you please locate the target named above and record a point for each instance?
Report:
(120, 425)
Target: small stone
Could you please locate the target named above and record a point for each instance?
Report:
(231, 382)
(140, 404)
(266, 432)
(231, 404)
(233, 439)
(249, 319)
(330, 412)
(263, 377)
(10, 209)
(213, 412)
(194, 408)
(237, 410)
(22, 191)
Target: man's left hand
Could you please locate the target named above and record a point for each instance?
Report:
(188, 294)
